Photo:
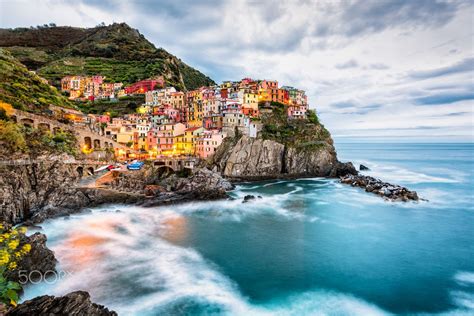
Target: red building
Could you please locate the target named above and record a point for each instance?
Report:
(143, 86)
(224, 93)
(249, 111)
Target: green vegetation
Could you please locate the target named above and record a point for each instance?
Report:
(124, 105)
(305, 134)
(25, 90)
(114, 70)
(312, 117)
(116, 51)
(192, 78)
(11, 137)
(16, 139)
(11, 252)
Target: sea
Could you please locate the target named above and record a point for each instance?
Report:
(309, 246)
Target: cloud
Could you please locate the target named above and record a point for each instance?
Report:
(458, 114)
(378, 66)
(466, 65)
(353, 107)
(391, 64)
(444, 98)
(368, 16)
(348, 64)
(343, 105)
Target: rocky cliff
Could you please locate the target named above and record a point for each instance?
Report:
(284, 148)
(35, 191)
(40, 189)
(257, 158)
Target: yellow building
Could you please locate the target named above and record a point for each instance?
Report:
(186, 143)
(125, 136)
(263, 95)
(177, 100)
(251, 100)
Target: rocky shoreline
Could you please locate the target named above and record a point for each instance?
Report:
(50, 190)
(75, 303)
(384, 189)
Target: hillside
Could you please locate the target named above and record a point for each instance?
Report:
(117, 51)
(24, 89)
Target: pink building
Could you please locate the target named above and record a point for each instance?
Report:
(103, 119)
(209, 141)
(151, 142)
(173, 114)
(297, 111)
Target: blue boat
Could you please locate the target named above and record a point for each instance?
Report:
(135, 165)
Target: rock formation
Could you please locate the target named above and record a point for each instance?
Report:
(73, 304)
(384, 189)
(257, 158)
(43, 189)
(202, 184)
(25, 189)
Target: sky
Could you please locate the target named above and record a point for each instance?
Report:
(371, 68)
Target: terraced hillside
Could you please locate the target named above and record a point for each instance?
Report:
(117, 51)
(24, 89)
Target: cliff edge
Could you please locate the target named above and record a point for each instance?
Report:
(283, 148)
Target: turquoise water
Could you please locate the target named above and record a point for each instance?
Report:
(307, 247)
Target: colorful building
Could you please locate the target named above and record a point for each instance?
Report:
(143, 86)
(207, 143)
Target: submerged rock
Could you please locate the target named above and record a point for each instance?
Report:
(362, 167)
(73, 304)
(248, 198)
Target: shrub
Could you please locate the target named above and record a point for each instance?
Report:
(10, 254)
(6, 108)
(312, 117)
(11, 136)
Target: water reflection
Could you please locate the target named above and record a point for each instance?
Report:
(175, 229)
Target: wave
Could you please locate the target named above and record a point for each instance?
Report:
(465, 278)
(122, 262)
(397, 174)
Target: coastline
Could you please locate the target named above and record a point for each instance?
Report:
(204, 185)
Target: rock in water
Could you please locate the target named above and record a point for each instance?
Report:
(362, 167)
(342, 169)
(73, 304)
(376, 186)
(248, 198)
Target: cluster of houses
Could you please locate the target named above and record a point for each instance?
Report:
(83, 88)
(195, 123)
